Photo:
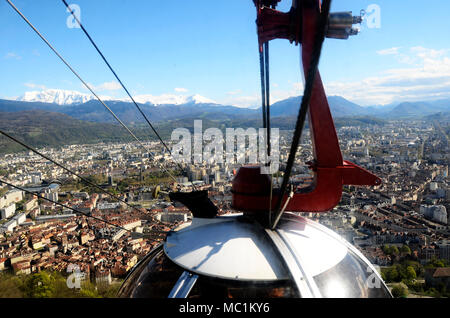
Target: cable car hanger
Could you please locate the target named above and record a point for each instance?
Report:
(308, 23)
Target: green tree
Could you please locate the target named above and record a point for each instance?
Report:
(109, 291)
(394, 250)
(400, 291)
(3, 173)
(88, 290)
(383, 275)
(410, 273)
(439, 263)
(61, 288)
(392, 275)
(11, 286)
(51, 285)
(434, 262)
(418, 268)
(89, 293)
(39, 285)
(416, 286)
(390, 250)
(405, 250)
(3, 191)
(433, 292)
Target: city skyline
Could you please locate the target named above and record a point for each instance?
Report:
(404, 219)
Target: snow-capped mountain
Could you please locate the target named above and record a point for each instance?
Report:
(171, 99)
(198, 99)
(66, 97)
(164, 99)
(56, 96)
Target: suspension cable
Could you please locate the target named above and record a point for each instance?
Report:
(263, 85)
(118, 79)
(267, 123)
(309, 83)
(64, 206)
(265, 99)
(86, 85)
(65, 168)
(266, 61)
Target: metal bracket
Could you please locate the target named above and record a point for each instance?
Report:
(183, 286)
(304, 282)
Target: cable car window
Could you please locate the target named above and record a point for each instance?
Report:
(156, 276)
(153, 278)
(208, 287)
(351, 278)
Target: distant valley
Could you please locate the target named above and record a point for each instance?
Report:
(51, 124)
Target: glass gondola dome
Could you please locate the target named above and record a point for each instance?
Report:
(234, 256)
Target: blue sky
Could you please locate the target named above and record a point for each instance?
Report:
(176, 47)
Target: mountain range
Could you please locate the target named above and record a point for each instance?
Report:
(59, 118)
(56, 96)
(66, 97)
(171, 107)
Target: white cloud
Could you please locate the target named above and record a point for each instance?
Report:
(298, 87)
(12, 55)
(181, 90)
(34, 86)
(295, 89)
(392, 50)
(400, 57)
(254, 100)
(107, 86)
(426, 53)
(235, 92)
(422, 74)
(243, 101)
(176, 99)
(425, 75)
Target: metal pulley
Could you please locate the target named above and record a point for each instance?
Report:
(340, 24)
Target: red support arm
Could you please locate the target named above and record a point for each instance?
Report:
(331, 172)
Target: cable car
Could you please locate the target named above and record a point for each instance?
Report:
(235, 257)
(266, 251)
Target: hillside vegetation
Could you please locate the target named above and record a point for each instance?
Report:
(40, 128)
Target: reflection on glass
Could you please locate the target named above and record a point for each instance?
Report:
(350, 279)
(157, 274)
(153, 278)
(334, 288)
(208, 287)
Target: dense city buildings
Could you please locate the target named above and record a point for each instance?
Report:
(105, 237)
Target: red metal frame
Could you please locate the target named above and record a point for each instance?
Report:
(331, 172)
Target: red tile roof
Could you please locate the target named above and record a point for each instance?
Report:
(442, 272)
